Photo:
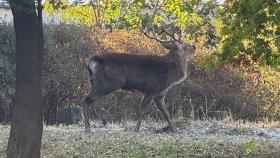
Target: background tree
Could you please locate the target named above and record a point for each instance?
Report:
(98, 13)
(26, 129)
(191, 16)
(251, 31)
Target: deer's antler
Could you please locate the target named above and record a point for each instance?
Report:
(154, 38)
(169, 34)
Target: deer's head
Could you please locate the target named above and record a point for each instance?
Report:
(179, 48)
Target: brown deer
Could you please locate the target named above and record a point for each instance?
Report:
(151, 75)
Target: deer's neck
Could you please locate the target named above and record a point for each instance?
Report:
(179, 60)
(178, 68)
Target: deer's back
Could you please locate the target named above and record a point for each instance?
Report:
(149, 74)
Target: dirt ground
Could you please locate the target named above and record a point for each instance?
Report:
(205, 139)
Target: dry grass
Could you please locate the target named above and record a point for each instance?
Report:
(193, 139)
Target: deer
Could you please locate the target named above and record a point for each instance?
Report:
(151, 75)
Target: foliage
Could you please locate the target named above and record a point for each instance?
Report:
(246, 29)
(250, 148)
(251, 29)
(76, 13)
(118, 13)
(192, 17)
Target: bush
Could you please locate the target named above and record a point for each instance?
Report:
(7, 68)
(69, 116)
(253, 87)
(64, 74)
(246, 91)
(263, 86)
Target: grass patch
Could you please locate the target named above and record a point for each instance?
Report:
(195, 140)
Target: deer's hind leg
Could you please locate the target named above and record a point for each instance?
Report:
(103, 82)
(98, 91)
(161, 106)
(140, 112)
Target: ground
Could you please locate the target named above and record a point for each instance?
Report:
(205, 139)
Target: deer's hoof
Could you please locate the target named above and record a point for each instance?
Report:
(87, 130)
(136, 129)
(174, 130)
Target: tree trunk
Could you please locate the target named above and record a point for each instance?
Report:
(27, 123)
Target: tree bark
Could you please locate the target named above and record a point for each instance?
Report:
(27, 122)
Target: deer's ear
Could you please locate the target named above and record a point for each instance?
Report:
(170, 45)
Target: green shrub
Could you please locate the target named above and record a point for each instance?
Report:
(250, 148)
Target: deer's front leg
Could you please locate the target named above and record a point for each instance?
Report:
(161, 106)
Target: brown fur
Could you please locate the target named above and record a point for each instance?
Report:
(151, 75)
(148, 74)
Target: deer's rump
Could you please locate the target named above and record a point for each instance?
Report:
(148, 74)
